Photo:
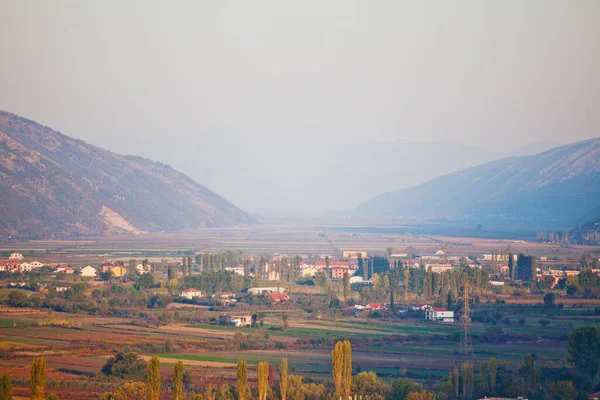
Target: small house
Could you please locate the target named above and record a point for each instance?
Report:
(89, 271)
(191, 293)
(438, 314)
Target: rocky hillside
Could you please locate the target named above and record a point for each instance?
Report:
(551, 190)
(52, 185)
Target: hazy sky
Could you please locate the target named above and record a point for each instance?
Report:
(276, 104)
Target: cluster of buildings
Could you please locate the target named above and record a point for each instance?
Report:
(334, 269)
(15, 264)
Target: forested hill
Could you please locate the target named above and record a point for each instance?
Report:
(551, 190)
(52, 185)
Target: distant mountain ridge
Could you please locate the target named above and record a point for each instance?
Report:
(553, 189)
(52, 185)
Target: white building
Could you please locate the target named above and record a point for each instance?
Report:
(238, 321)
(89, 271)
(438, 268)
(356, 279)
(65, 270)
(191, 293)
(143, 269)
(236, 270)
(36, 264)
(263, 290)
(438, 314)
(309, 271)
(16, 256)
(26, 267)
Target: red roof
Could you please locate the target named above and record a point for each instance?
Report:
(321, 264)
(190, 290)
(439, 309)
(375, 306)
(278, 296)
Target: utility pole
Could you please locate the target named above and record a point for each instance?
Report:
(466, 346)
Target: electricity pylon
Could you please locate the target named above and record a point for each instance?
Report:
(466, 346)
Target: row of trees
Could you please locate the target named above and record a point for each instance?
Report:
(461, 383)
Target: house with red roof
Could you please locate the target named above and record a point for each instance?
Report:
(65, 270)
(375, 307)
(438, 314)
(275, 298)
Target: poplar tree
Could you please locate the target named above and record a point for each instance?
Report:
(154, 378)
(178, 381)
(341, 357)
(337, 361)
(468, 380)
(38, 378)
(242, 379)
(493, 372)
(428, 285)
(283, 378)
(5, 387)
(455, 381)
(347, 374)
(209, 395)
(263, 380)
(346, 285)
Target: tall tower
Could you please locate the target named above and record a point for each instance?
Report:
(466, 346)
(445, 254)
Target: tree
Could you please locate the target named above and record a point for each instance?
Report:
(341, 357)
(493, 373)
(263, 380)
(5, 387)
(38, 378)
(283, 378)
(584, 349)
(367, 384)
(129, 391)
(144, 282)
(401, 387)
(562, 390)
(468, 380)
(124, 365)
(530, 372)
(209, 395)
(511, 265)
(424, 395)
(455, 381)
(242, 379)
(154, 378)
(346, 286)
(178, 381)
(549, 300)
(284, 318)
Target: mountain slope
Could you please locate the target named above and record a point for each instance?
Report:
(52, 185)
(551, 189)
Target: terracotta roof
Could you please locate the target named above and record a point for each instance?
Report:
(439, 309)
(332, 264)
(190, 290)
(278, 296)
